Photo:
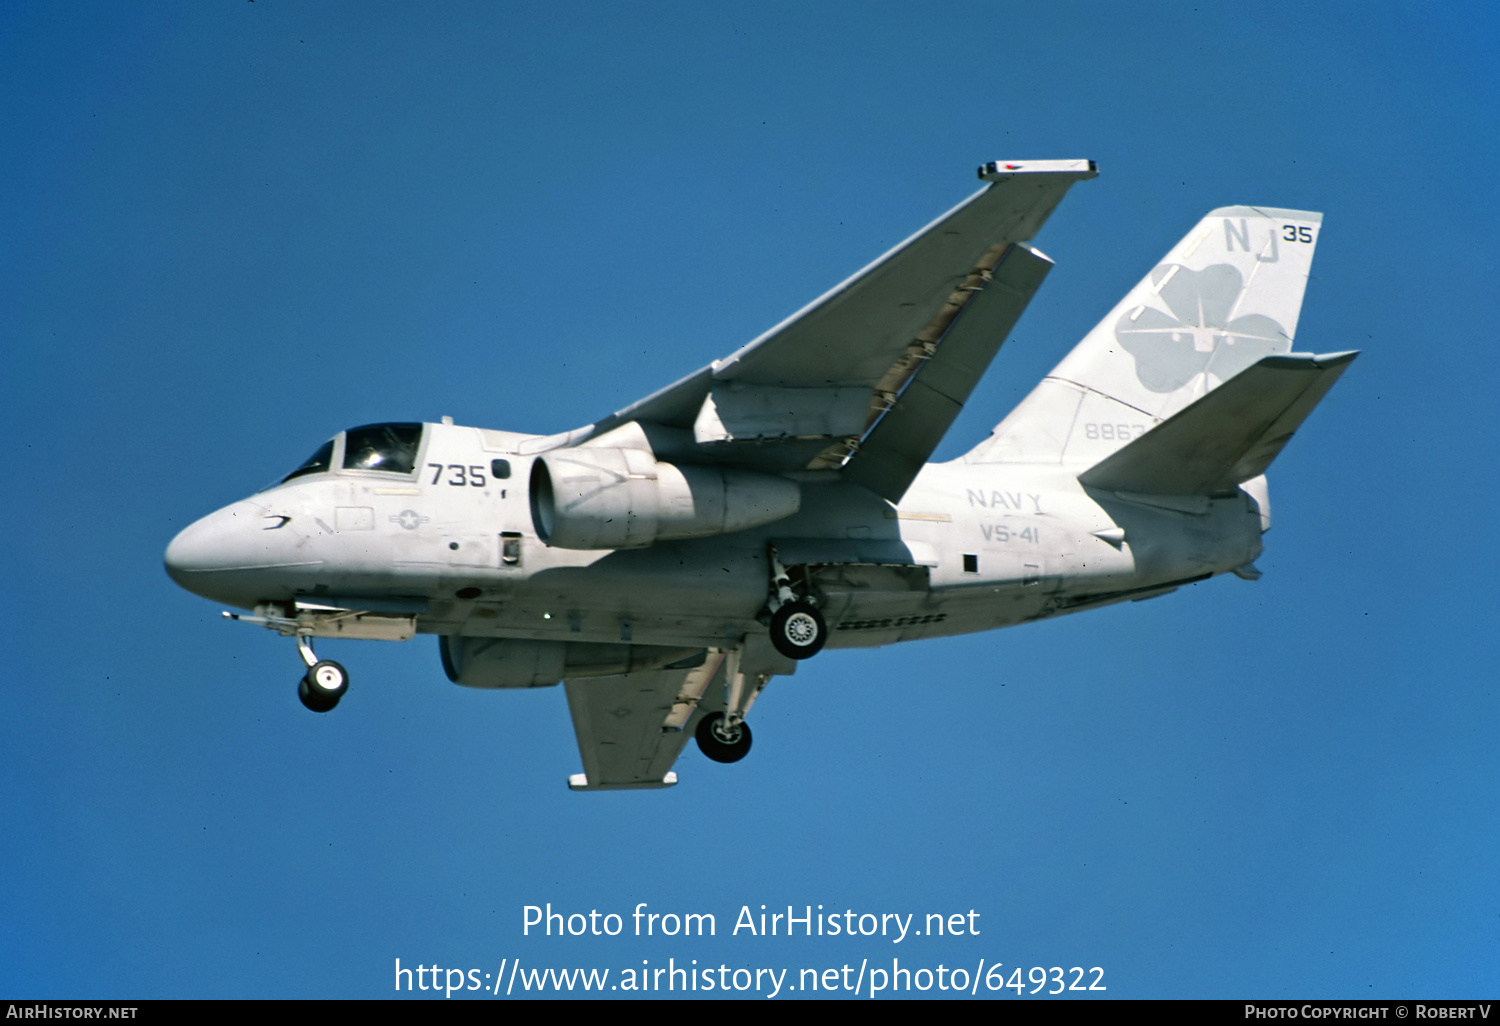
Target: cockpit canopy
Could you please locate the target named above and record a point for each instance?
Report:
(388, 448)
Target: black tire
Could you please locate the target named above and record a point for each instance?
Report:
(798, 630)
(713, 743)
(323, 686)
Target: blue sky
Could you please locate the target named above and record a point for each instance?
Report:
(232, 229)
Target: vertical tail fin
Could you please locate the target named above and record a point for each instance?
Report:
(1227, 296)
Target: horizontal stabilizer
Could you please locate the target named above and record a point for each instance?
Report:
(1227, 437)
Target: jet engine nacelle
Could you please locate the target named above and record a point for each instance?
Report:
(588, 498)
(521, 663)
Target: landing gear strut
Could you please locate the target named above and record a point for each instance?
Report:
(325, 681)
(725, 736)
(797, 628)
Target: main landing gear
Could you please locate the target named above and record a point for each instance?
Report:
(325, 681)
(725, 736)
(797, 628)
(721, 740)
(798, 631)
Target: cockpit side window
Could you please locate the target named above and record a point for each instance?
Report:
(317, 463)
(388, 447)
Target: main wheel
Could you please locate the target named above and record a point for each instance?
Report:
(323, 686)
(721, 743)
(798, 630)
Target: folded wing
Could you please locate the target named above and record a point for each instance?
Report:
(903, 340)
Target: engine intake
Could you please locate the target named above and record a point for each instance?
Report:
(625, 499)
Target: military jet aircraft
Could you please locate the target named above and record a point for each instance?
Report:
(667, 561)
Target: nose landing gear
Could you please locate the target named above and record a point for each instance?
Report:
(325, 681)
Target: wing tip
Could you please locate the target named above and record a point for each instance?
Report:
(1003, 170)
(580, 782)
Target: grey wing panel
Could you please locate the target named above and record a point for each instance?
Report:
(632, 728)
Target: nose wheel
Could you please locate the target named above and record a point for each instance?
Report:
(323, 686)
(325, 681)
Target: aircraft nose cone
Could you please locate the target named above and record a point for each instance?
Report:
(192, 549)
(218, 542)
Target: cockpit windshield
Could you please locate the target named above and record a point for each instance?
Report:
(388, 447)
(317, 463)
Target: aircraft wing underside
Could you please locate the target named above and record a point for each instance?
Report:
(910, 334)
(631, 728)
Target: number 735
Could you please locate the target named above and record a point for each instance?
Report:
(459, 475)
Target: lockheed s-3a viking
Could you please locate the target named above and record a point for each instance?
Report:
(667, 561)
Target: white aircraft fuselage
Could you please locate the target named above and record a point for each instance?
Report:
(992, 545)
(667, 561)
